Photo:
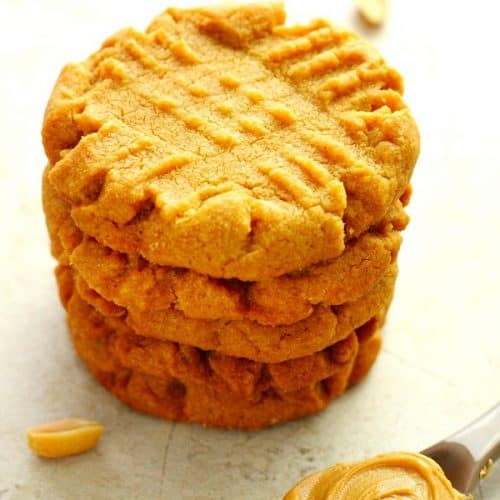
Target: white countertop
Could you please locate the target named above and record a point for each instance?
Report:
(440, 365)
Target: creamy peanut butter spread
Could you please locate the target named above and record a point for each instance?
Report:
(397, 475)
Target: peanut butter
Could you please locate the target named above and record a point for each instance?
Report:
(392, 475)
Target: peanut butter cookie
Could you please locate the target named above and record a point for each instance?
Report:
(241, 377)
(248, 339)
(222, 141)
(191, 401)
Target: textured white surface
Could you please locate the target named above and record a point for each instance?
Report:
(441, 361)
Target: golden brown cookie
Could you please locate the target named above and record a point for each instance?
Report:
(235, 375)
(132, 282)
(222, 141)
(191, 401)
(326, 326)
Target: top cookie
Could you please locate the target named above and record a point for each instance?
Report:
(222, 141)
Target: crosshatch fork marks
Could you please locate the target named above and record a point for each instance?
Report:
(246, 92)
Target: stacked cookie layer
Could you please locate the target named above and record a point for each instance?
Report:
(224, 196)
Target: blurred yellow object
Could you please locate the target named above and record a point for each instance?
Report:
(372, 11)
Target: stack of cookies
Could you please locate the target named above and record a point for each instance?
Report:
(224, 195)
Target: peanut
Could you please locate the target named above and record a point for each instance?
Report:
(64, 437)
(373, 11)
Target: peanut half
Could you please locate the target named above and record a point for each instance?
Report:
(373, 11)
(64, 437)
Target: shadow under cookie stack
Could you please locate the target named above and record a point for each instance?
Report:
(225, 203)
